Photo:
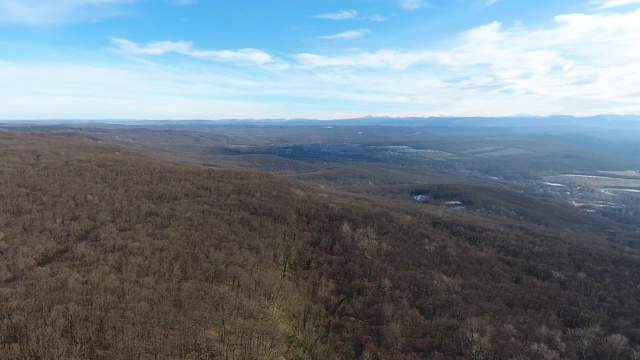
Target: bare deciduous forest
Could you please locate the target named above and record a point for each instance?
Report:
(109, 254)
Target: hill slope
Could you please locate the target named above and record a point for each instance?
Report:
(105, 254)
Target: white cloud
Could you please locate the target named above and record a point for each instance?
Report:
(157, 48)
(184, 2)
(412, 4)
(580, 64)
(588, 59)
(340, 15)
(393, 59)
(46, 12)
(347, 35)
(578, 38)
(143, 91)
(375, 18)
(604, 4)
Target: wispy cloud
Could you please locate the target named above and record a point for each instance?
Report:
(143, 91)
(375, 18)
(604, 4)
(392, 59)
(157, 48)
(47, 12)
(412, 5)
(347, 35)
(184, 2)
(586, 59)
(340, 15)
(581, 64)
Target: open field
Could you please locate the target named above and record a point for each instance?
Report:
(624, 173)
(593, 181)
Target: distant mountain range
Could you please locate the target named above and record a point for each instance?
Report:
(598, 121)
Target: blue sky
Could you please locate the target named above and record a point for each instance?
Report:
(215, 59)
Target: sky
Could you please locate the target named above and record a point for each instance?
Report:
(321, 59)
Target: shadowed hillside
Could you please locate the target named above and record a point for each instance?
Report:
(106, 254)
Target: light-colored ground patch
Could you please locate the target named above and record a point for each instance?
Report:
(596, 204)
(553, 184)
(619, 191)
(435, 154)
(627, 173)
(426, 153)
(493, 151)
(483, 149)
(505, 152)
(593, 181)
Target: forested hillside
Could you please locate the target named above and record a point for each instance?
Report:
(106, 254)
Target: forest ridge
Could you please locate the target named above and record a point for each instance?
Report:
(108, 253)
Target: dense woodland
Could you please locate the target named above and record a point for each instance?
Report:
(107, 254)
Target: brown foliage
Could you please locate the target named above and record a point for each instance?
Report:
(105, 254)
